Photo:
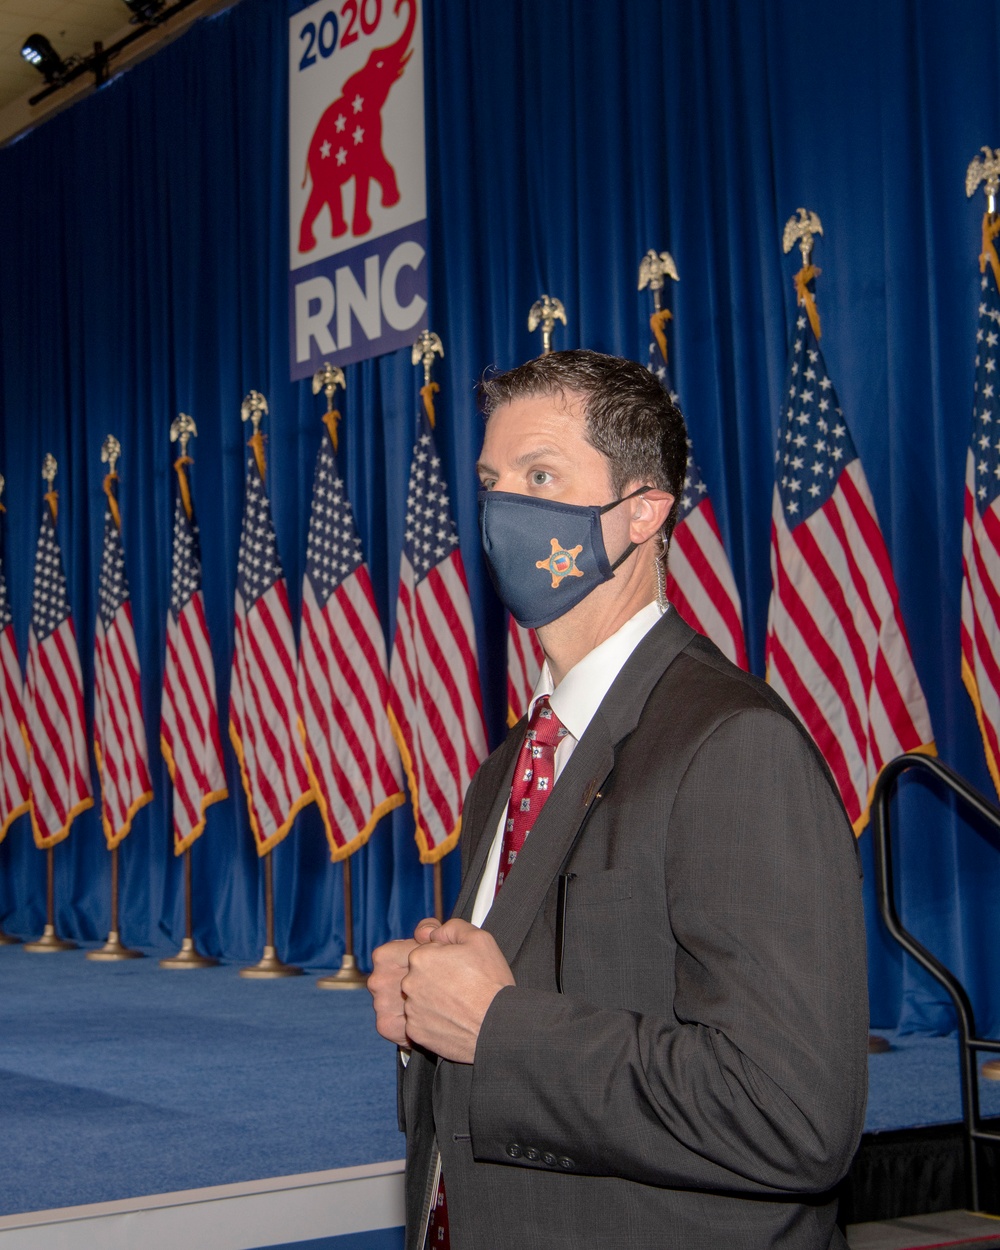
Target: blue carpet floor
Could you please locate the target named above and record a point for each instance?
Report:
(916, 1084)
(119, 1080)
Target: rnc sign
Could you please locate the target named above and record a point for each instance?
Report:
(357, 189)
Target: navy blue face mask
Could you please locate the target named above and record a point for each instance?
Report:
(544, 556)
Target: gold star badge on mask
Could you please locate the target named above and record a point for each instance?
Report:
(561, 563)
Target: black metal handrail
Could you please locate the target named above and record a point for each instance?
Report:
(969, 1041)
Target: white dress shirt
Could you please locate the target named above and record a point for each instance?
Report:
(574, 701)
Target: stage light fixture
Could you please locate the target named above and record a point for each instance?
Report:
(39, 52)
(144, 10)
(58, 73)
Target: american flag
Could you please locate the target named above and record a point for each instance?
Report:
(700, 582)
(350, 753)
(435, 705)
(119, 733)
(58, 767)
(263, 694)
(981, 534)
(189, 719)
(837, 650)
(524, 663)
(13, 760)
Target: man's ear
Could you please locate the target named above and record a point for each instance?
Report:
(649, 514)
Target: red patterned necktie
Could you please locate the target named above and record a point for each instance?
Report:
(534, 777)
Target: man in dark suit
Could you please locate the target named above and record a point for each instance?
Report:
(654, 1035)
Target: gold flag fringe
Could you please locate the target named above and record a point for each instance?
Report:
(185, 487)
(427, 393)
(991, 228)
(257, 443)
(807, 274)
(330, 420)
(657, 323)
(109, 490)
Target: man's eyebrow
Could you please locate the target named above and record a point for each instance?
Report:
(535, 453)
(520, 461)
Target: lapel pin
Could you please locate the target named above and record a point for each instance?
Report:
(590, 792)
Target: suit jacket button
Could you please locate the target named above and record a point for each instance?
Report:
(532, 1154)
(566, 1163)
(550, 1159)
(514, 1150)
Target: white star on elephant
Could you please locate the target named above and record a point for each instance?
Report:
(325, 149)
(359, 134)
(341, 156)
(358, 103)
(340, 123)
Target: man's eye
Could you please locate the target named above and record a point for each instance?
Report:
(539, 477)
(487, 483)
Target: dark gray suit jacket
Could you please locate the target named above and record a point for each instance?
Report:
(682, 1061)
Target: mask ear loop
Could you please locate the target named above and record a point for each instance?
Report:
(639, 490)
(660, 559)
(615, 503)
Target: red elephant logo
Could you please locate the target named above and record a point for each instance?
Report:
(347, 142)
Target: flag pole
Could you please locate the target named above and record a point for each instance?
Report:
(182, 429)
(270, 966)
(654, 268)
(50, 939)
(188, 956)
(347, 976)
(113, 948)
(6, 939)
(801, 229)
(424, 349)
(985, 169)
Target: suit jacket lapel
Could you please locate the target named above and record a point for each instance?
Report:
(551, 839)
(556, 829)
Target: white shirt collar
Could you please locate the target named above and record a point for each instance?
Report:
(582, 690)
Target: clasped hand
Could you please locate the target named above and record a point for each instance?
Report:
(434, 990)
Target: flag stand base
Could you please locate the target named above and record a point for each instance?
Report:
(113, 949)
(189, 957)
(50, 941)
(271, 967)
(878, 1045)
(8, 939)
(347, 978)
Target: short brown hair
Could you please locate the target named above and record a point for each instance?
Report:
(630, 418)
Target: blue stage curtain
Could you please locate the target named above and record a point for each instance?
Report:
(144, 255)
